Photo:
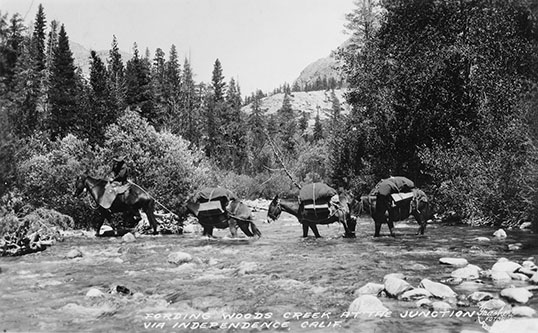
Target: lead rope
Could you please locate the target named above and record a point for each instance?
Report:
(157, 201)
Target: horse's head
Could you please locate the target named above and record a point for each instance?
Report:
(274, 210)
(80, 185)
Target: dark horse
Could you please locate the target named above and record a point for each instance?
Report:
(237, 214)
(342, 215)
(383, 212)
(131, 201)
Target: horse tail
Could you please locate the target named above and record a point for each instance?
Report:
(255, 229)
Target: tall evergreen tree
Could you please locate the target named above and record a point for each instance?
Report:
(235, 132)
(25, 118)
(139, 90)
(172, 90)
(102, 111)
(64, 90)
(38, 40)
(116, 72)
(287, 125)
(190, 103)
(256, 135)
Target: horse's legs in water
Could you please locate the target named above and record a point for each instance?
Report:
(421, 222)
(380, 214)
(232, 223)
(151, 217)
(391, 226)
(208, 231)
(314, 228)
(244, 227)
(104, 215)
(305, 229)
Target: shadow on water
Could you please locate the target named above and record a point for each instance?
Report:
(282, 277)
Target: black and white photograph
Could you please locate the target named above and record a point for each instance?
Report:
(347, 166)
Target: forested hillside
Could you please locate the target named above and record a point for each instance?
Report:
(443, 92)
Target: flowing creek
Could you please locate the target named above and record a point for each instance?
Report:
(281, 280)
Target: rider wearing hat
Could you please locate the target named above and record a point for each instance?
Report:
(120, 170)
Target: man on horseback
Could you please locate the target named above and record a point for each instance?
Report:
(119, 183)
(120, 170)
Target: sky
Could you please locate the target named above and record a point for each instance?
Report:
(260, 43)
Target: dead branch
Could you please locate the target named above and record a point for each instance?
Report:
(276, 152)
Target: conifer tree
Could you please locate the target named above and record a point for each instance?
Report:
(172, 89)
(116, 72)
(64, 90)
(256, 124)
(287, 125)
(158, 78)
(235, 129)
(25, 119)
(139, 90)
(190, 103)
(38, 40)
(102, 111)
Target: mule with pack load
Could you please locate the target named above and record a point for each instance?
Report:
(217, 207)
(317, 203)
(395, 199)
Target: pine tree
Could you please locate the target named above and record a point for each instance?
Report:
(25, 118)
(190, 103)
(171, 98)
(116, 72)
(101, 112)
(139, 90)
(256, 137)
(64, 90)
(318, 128)
(38, 40)
(217, 82)
(158, 78)
(11, 48)
(287, 125)
(235, 154)
(216, 114)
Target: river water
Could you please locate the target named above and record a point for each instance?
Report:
(280, 282)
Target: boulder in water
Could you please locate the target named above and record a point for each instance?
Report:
(523, 311)
(506, 266)
(479, 296)
(469, 272)
(500, 277)
(520, 295)
(179, 258)
(492, 304)
(367, 304)
(395, 286)
(458, 262)
(128, 238)
(75, 253)
(441, 306)
(369, 289)
(94, 292)
(415, 294)
(396, 275)
(500, 234)
(437, 289)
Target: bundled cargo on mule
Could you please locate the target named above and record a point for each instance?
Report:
(318, 200)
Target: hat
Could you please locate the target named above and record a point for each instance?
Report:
(119, 159)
